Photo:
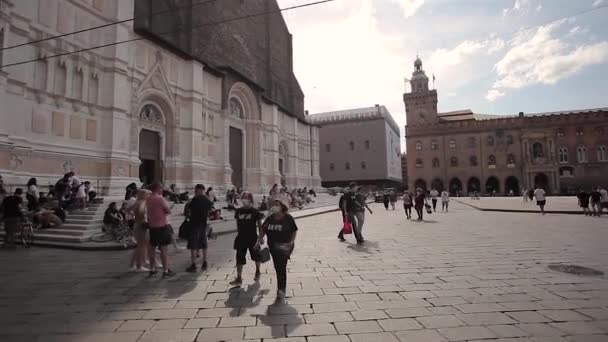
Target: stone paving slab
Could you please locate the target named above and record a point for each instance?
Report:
(466, 275)
(555, 204)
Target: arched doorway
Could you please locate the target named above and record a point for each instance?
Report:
(235, 156)
(455, 187)
(541, 181)
(437, 184)
(492, 185)
(512, 184)
(473, 185)
(150, 169)
(283, 162)
(420, 183)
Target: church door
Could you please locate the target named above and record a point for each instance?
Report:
(150, 169)
(236, 156)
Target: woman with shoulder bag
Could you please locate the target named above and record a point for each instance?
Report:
(281, 229)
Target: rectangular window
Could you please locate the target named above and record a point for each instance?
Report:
(327, 148)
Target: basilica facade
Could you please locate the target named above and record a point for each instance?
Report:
(466, 152)
(182, 110)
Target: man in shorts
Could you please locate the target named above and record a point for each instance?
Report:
(248, 222)
(161, 233)
(12, 208)
(604, 199)
(198, 211)
(541, 201)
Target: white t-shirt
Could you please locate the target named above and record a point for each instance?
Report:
(604, 194)
(434, 193)
(539, 194)
(445, 196)
(33, 190)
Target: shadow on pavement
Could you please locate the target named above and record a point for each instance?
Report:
(274, 315)
(368, 247)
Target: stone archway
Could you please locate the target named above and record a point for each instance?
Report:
(512, 184)
(473, 185)
(437, 184)
(283, 161)
(492, 185)
(420, 183)
(455, 187)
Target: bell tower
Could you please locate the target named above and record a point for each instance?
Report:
(420, 102)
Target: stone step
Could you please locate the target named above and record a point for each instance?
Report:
(80, 227)
(83, 221)
(65, 232)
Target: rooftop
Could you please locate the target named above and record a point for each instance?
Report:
(467, 114)
(375, 112)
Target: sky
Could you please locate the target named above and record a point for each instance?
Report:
(490, 56)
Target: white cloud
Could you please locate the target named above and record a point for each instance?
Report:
(410, 6)
(493, 94)
(522, 7)
(597, 3)
(457, 65)
(538, 57)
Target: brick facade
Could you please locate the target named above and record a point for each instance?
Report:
(466, 152)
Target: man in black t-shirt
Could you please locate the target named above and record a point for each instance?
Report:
(12, 209)
(583, 201)
(248, 222)
(199, 209)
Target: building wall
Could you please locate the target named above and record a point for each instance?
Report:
(82, 112)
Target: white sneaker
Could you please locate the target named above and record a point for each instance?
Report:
(142, 269)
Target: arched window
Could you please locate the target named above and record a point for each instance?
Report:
(435, 162)
(418, 162)
(509, 139)
(434, 145)
(347, 166)
(580, 132)
(473, 161)
(352, 145)
(537, 150)
(452, 143)
(332, 166)
(511, 159)
(453, 162)
(563, 155)
(492, 160)
(367, 144)
(581, 154)
(490, 140)
(601, 154)
(418, 145)
(561, 133)
(363, 165)
(471, 141)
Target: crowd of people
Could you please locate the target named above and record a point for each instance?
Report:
(31, 207)
(259, 234)
(593, 202)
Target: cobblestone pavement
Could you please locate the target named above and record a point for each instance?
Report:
(463, 276)
(554, 203)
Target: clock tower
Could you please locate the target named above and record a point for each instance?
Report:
(420, 103)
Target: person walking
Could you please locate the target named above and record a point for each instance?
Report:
(604, 199)
(281, 230)
(596, 202)
(360, 207)
(386, 198)
(12, 210)
(583, 201)
(138, 210)
(524, 192)
(161, 233)
(445, 200)
(408, 200)
(32, 195)
(248, 222)
(350, 205)
(539, 193)
(434, 194)
(393, 199)
(419, 200)
(198, 213)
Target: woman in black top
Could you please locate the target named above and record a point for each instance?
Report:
(281, 230)
(248, 221)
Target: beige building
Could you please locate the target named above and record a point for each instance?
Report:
(359, 145)
(467, 152)
(209, 106)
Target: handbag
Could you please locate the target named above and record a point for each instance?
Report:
(347, 228)
(428, 208)
(263, 255)
(185, 230)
